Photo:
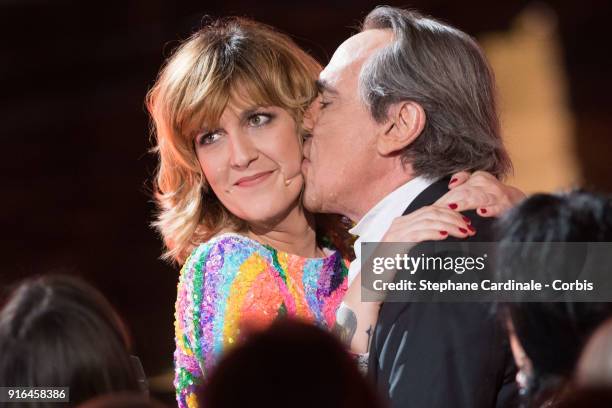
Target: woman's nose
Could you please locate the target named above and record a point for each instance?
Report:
(243, 151)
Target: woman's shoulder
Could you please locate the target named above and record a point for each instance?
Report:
(208, 261)
(230, 248)
(224, 245)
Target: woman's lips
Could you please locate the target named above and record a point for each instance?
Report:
(254, 179)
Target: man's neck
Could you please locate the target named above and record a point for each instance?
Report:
(376, 192)
(294, 233)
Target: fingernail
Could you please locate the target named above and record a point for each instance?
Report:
(466, 219)
(471, 228)
(483, 210)
(453, 180)
(463, 230)
(443, 233)
(452, 206)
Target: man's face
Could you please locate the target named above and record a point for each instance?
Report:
(341, 153)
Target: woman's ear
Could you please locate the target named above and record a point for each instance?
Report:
(406, 122)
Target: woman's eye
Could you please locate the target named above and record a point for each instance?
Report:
(208, 138)
(259, 119)
(324, 104)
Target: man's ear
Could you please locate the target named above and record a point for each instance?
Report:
(406, 120)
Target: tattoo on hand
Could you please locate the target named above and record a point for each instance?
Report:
(346, 324)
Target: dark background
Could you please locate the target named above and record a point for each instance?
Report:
(75, 164)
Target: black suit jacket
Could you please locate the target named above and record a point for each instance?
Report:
(434, 355)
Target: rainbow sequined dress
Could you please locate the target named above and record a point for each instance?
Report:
(232, 281)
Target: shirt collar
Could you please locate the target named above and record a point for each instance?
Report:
(393, 205)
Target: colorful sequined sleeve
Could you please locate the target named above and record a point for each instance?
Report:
(206, 317)
(189, 372)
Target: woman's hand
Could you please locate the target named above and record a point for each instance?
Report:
(431, 223)
(355, 320)
(480, 191)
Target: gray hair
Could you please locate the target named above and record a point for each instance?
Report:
(443, 70)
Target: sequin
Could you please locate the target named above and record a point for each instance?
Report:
(231, 283)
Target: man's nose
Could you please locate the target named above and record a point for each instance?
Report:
(306, 146)
(243, 151)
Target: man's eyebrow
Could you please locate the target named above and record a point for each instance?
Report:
(324, 86)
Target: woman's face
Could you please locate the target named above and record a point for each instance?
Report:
(252, 161)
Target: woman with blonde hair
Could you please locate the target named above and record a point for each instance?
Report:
(227, 110)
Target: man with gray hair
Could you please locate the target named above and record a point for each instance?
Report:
(404, 104)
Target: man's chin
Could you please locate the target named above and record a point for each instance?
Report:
(310, 201)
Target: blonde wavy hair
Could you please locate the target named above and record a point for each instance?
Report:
(192, 90)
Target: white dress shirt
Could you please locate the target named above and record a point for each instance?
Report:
(374, 224)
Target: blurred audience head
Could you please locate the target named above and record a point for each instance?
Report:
(586, 398)
(547, 337)
(122, 400)
(595, 365)
(291, 364)
(57, 331)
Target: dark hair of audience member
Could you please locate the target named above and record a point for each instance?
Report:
(292, 364)
(587, 398)
(552, 334)
(122, 400)
(57, 331)
(595, 365)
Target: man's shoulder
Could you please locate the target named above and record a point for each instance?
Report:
(429, 196)
(484, 225)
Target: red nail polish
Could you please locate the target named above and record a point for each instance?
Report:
(463, 230)
(452, 206)
(466, 219)
(483, 210)
(443, 233)
(471, 228)
(453, 180)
